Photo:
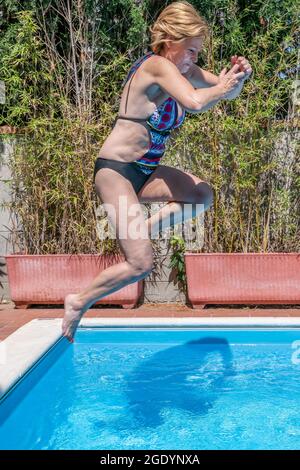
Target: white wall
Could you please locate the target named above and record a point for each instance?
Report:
(6, 146)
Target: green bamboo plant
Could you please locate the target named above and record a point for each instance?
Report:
(63, 64)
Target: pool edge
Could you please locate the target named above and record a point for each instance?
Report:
(23, 348)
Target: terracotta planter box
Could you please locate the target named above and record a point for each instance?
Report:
(243, 278)
(47, 279)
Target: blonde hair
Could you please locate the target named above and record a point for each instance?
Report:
(177, 21)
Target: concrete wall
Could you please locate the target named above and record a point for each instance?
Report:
(6, 223)
(161, 285)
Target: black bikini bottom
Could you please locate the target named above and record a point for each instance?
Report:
(130, 170)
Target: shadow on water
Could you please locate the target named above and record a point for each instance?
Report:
(189, 376)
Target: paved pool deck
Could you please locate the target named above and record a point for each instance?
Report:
(11, 318)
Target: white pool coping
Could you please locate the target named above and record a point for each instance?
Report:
(23, 348)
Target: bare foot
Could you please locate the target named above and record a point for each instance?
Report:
(72, 317)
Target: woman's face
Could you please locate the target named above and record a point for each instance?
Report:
(183, 54)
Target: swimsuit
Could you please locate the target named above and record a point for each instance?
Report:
(129, 170)
(159, 126)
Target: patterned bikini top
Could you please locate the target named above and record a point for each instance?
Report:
(159, 125)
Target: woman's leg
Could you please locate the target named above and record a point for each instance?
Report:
(171, 214)
(188, 197)
(127, 218)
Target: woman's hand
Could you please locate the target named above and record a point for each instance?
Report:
(244, 65)
(229, 81)
(240, 71)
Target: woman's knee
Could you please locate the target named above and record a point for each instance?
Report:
(141, 267)
(203, 194)
(142, 261)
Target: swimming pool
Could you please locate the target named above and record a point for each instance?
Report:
(160, 388)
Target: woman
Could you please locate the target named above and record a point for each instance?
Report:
(160, 88)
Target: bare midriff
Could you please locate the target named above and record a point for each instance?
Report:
(126, 142)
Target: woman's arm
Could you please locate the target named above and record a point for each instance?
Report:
(200, 78)
(168, 77)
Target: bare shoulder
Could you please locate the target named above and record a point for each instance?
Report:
(157, 65)
(160, 67)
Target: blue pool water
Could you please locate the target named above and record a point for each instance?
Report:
(160, 389)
